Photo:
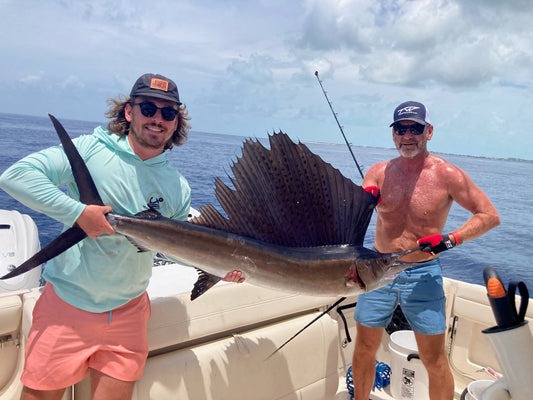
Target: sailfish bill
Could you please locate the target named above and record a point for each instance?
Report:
(293, 223)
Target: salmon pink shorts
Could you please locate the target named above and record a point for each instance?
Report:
(65, 341)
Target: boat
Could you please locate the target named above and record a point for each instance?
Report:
(225, 345)
(19, 240)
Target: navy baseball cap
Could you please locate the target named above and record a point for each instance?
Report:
(411, 111)
(158, 86)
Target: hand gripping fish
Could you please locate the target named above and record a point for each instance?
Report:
(294, 223)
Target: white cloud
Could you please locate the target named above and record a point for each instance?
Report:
(247, 67)
(72, 81)
(32, 78)
(419, 42)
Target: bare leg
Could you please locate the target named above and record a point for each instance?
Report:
(104, 387)
(433, 356)
(30, 394)
(364, 360)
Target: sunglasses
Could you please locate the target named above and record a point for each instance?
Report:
(149, 109)
(416, 129)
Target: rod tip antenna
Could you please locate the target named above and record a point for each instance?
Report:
(316, 73)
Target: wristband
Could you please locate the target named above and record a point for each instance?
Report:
(457, 238)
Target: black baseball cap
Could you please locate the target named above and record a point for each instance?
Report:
(154, 85)
(411, 111)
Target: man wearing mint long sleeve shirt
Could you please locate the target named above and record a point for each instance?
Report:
(93, 311)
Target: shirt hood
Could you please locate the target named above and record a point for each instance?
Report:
(122, 145)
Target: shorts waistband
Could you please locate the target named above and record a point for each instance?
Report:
(428, 263)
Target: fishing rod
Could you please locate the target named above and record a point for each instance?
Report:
(340, 300)
(312, 322)
(340, 127)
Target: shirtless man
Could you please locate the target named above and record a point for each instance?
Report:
(417, 190)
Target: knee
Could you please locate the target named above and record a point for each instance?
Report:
(367, 340)
(363, 345)
(436, 364)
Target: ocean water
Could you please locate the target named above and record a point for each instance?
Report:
(508, 248)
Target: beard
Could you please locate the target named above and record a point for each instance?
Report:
(153, 140)
(409, 151)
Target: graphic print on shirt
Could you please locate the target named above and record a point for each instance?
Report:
(155, 200)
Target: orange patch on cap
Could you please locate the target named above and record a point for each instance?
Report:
(159, 84)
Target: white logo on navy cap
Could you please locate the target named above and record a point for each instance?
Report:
(408, 110)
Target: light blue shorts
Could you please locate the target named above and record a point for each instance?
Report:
(417, 290)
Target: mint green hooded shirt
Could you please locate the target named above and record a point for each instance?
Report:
(98, 275)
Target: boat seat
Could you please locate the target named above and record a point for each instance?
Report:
(237, 367)
(10, 314)
(217, 346)
(223, 310)
(11, 364)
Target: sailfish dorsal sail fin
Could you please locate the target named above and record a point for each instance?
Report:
(289, 196)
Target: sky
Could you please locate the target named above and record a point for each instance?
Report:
(247, 68)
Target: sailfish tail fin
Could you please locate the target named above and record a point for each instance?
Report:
(57, 246)
(88, 195)
(86, 186)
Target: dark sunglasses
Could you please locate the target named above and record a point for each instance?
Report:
(416, 129)
(149, 109)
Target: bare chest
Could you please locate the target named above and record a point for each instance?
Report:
(420, 197)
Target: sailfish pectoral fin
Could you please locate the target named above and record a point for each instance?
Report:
(57, 246)
(205, 282)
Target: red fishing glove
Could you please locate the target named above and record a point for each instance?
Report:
(434, 244)
(374, 191)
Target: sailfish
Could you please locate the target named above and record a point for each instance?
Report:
(292, 222)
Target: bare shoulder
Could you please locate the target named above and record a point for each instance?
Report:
(446, 171)
(460, 186)
(378, 167)
(375, 174)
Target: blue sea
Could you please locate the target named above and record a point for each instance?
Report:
(508, 248)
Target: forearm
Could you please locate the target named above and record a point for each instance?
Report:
(29, 182)
(472, 198)
(477, 225)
